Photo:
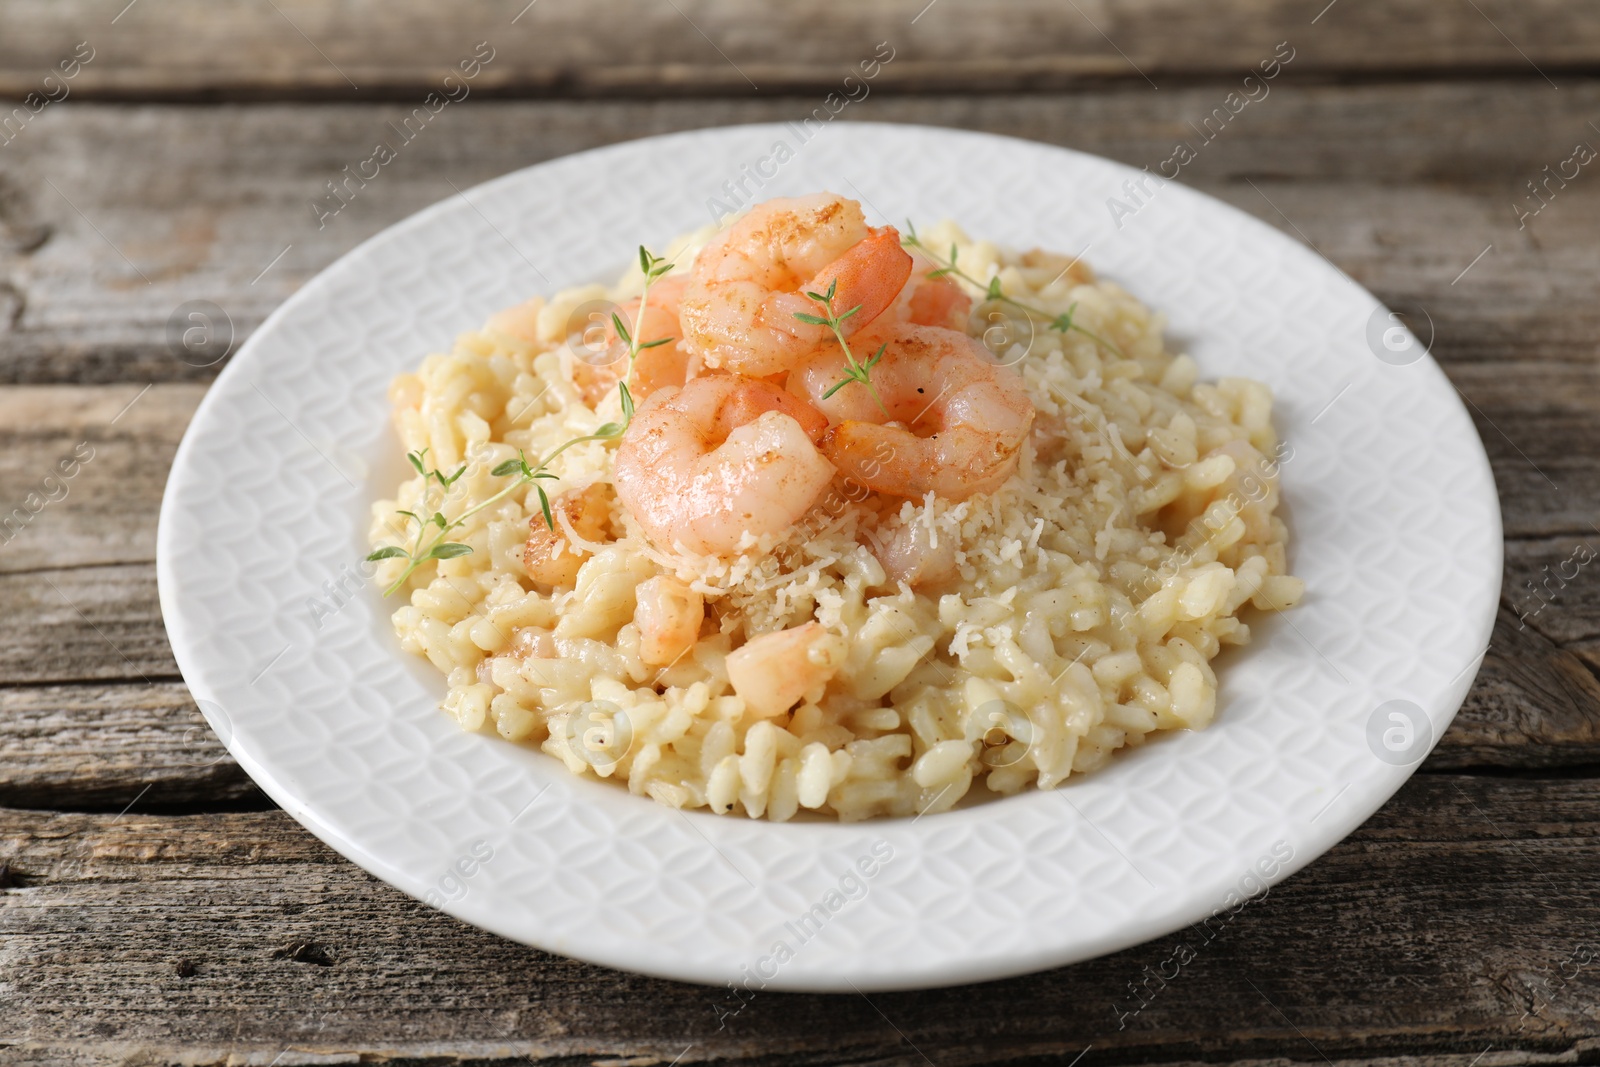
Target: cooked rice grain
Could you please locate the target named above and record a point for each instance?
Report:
(1095, 587)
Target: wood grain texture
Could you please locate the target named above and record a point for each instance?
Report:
(83, 623)
(82, 472)
(109, 746)
(1533, 704)
(357, 50)
(78, 605)
(155, 908)
(1402, 186)
(1538, 424)
(1534, 708)
(240, 935)
(78, 599)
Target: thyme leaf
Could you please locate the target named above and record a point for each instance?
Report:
(994, 291)
(429, 546)
(854, 369)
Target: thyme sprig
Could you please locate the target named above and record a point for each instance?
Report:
(652, 267)
(854, 370)
(430, 541)
(992, 291)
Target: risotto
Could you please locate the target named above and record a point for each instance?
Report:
(738, 546)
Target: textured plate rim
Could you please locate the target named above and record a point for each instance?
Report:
(191, 659)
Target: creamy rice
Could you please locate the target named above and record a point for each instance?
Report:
(1095, 587)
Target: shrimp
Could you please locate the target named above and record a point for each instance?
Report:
(933, 301)
(520, 321)
(595, 371)
(668, 614)
(750, 281)
(721, 456)
(956, 420)
(773, 672)
(913, 555)
(549, 557)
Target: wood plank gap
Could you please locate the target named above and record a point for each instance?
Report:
(984, 83)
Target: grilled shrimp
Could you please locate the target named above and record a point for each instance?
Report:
(738, 312)
(549, 556)
(956, 421)
(933, 301)
(914, 555)
(668, 614)
(596, 374)
(721, 456)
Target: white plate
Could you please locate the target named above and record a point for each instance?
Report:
(1392, 507)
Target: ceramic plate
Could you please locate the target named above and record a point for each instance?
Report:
(1388, 494)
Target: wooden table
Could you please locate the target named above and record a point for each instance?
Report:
(156, 908)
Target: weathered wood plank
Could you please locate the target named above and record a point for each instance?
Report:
(1423, 939)
(1539, 427)
(1401, 185)
(78, 598)
(1532, 705)
(1552, 586)
(110, 746)
(1462, 905)
(82, 471)
(106, 745)
(1536, 413)
(301, 49)
(1540, 423)
(83, 623)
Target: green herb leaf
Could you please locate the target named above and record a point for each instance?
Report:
(627, 400)
(510, 466)
(940, 273)
(387, 552)
(448, 550)
(545, 474)
(644, 260)
(652, 344)
(1063, 322)
(847, 314)
(544, 506)
(610, 429)
(837, 386)
(994, 289)
(873, 362)
(814, 320)
(622, 331)
(438, 520)
(416, 461)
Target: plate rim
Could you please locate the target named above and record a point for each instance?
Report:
(1315, 842)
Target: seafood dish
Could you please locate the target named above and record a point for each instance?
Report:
(809, 515)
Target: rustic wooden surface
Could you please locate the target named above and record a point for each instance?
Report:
(156, 908)
(196, 50)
